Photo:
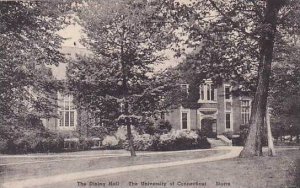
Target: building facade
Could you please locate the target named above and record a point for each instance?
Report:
(67, 118)
(217, 111)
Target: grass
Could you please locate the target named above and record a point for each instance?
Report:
(260, 172)
(49, 168)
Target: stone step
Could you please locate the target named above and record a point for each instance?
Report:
(216, 142)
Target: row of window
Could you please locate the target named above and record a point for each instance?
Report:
(208, 92)
(67, 113)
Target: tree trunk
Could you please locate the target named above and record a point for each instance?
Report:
(130, 141)
(127, 120)
(253, 145)
(271, 149)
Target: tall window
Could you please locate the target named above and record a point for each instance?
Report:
(245, 111)
(67, 112)
(228, 121)
(184, 119)
(227, 92)
(207, 92)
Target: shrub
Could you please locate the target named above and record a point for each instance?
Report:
(20, 140)
(110, 142)
(182, 140)
(50, 144)
(174, 140)
(121, 133)
(3, 145)
(143, 142)
(86, 143)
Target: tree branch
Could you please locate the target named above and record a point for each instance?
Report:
(233, 23)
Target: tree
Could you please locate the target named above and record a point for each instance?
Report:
(124, 37)
(237, 40)
(28, 42)
(284, 94)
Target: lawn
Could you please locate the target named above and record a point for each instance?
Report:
(260, 172)
(56, 165)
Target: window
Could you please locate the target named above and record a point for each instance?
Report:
(210, 92)
(207, 92)
(227, 92)
(202, 93)
(184, 119)
(228, 122)
(67, 112)
(245, 111)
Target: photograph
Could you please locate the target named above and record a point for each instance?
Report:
(150, 94)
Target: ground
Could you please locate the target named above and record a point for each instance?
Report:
(280, 171)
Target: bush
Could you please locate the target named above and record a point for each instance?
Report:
(50, 144)
(143, 142)
(182, 140)
(20, 140)
(3, 145)
(121, 133)
(110, 142)
(86, 143)
(174, 140)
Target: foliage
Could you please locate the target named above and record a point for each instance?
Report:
(86, 143)
(182, 140)
(142, 142)
(236, 41)
(284, 95)
(125, 38)
(173, 140)
(158, 127)
(110, 142)
(29, 41)
(31, 137)
(99, 132)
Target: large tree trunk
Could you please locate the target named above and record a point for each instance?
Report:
(130, 141)
(127, 119)
(253, 145)
(271, 151)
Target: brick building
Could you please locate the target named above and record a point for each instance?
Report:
(217, 110)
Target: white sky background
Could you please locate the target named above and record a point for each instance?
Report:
(73, 33)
